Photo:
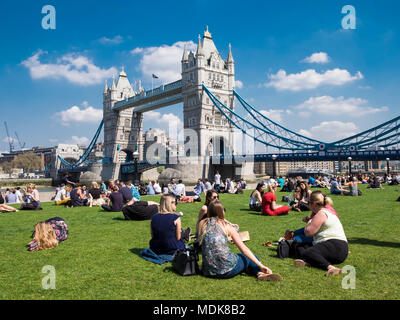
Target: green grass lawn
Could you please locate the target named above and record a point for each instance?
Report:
(100, 258)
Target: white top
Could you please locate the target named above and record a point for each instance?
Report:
(60, 194)
(180, 190)
(208, 185)
(331, 229)
(19, 196)
(217, 179)
(157, 188)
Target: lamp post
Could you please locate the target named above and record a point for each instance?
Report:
(349, 159)
(387, 166)
(274, 156)
(136, 159)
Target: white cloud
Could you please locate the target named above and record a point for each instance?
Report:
(330, 131)
(74, 68)
(238, 84)
(116, 40)
(79, 140)
(317, 57)
(75, 114)
(163, 121)
(275, 114)
(310, 79)
(9, 139)
(327, 105)
(163, 61)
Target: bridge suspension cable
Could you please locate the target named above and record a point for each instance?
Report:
(89, 149)
(260, 134)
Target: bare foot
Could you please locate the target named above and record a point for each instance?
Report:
(269, 277)
(333, 272)
(300, 263)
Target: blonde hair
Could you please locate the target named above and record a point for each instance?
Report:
(68, 188)
(166, 203)
(271, 186)
(45, 236)
(214, 210)
(95, 185)
(320, 199)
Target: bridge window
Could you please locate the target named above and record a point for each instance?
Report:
(121, 137)
(217, 65)
(127, 122)
(213, 76)
(213, 65)
(209, 76)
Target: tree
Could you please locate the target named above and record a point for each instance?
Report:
(28, 161)
(6, 166)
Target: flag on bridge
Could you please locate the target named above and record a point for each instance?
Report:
(154, 76)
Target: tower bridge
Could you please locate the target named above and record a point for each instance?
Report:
(212, 126)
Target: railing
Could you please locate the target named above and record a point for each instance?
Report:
(150, 93)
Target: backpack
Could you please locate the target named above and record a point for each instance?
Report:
(286, 248)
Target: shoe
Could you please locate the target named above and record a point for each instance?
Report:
(298, 263)
(267, 244)
(333, 272)
(273, 277)
(186, 234)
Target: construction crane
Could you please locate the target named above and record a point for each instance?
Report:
(9, 138)
(21, 145)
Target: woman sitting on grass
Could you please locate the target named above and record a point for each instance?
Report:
(256, 198)
(329, 240)
(165, 228)
(218, 260)
(48, 234)
(117, 201)
(299, 235)
(31, 198)
(303, 197)
(63, 195)
(269, 205)
(211, 195)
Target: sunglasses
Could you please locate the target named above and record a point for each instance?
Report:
(215, 197)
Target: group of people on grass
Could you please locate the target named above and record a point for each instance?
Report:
(322, 243)
(27, 197)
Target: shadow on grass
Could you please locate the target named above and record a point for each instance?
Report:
(136, 251)
(373, 242)
(251, 212)
(121, 219)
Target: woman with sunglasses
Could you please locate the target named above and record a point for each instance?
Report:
(211, 195)
(165, 228)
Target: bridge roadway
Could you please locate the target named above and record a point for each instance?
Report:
(129, 167)
(159, 97)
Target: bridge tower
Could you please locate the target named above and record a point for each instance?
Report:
(215, 134)
(122, 129)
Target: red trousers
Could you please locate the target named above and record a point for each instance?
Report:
(276, 212)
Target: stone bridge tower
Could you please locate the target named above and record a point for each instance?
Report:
(122, 129)
(214, 132)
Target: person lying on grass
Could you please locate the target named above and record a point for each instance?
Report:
(5, 208)
(165, 228)
(48, 234)
(211, 195)
(218, 260)
(329, 240)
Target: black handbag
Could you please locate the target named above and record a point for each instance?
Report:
(286, 249)
(186, 262)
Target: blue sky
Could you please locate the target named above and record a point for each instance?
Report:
(349, 85)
